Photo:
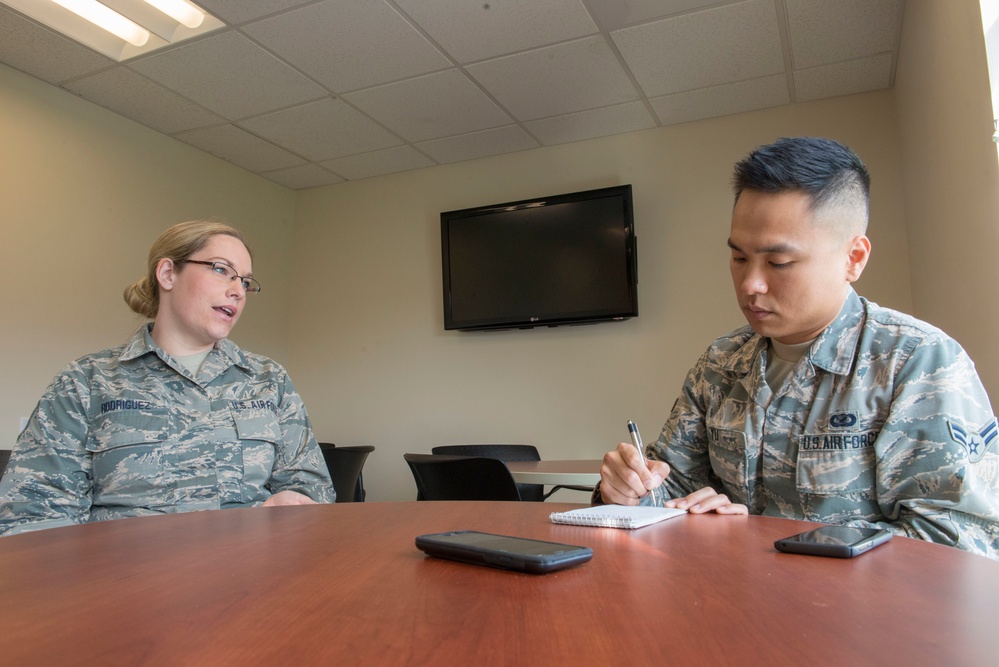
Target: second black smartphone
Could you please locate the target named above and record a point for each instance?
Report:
(834, 541)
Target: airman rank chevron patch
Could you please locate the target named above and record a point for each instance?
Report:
(977, 442)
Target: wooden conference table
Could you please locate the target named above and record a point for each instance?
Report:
(344, 584)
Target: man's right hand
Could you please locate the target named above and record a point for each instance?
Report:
(623, 477)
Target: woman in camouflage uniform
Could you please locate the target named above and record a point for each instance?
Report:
(177, 419)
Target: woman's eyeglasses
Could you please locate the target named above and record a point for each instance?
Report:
(250, 285)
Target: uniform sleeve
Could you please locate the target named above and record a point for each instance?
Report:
(937, 458)
(683, 443)
(47, 481)
(299, 464)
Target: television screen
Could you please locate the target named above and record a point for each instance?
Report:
(564, 259)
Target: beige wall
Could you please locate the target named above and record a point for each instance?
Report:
(351, 273)
(368, 349)
(84, 194)
(951, 175)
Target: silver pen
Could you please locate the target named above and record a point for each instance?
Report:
(636, 439)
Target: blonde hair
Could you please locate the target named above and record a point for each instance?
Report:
(176, 243)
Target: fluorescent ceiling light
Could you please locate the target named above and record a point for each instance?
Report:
(180, 11)
(163, 22)
(106, 18)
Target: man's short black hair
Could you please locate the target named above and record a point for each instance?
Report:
(825, 170)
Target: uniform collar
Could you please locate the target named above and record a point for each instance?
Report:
(742, 361)
(225, 354)
(836, 347)
(832, 351)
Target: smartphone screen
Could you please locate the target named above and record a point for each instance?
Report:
(504, 551)
(834, 541)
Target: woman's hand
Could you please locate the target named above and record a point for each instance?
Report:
(288, 498)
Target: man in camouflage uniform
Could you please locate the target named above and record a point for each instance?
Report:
(826, 407)
(154, 437)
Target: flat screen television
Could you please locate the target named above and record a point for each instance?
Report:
(564, 259)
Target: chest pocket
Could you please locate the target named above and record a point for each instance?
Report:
(126, 450)
(728, 454)
(848, 466)
(245, 470)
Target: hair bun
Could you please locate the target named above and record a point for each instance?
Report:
(140, 298)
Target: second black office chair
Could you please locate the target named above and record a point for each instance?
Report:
(461, 478)
(345, 464)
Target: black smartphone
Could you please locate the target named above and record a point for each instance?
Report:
(504, 551)
(835, 541)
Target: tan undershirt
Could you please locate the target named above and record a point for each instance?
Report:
(193, 362)
(782, 360)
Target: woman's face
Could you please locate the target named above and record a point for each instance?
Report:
(199, 305)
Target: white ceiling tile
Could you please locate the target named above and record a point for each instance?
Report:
(770, 91)
(478, 144)
(431, 106)
(581, 125)
(614, 14)
(133, 96)
(346, 45)
(377, 163)
(239, 11)
(855, 76)
(823, 32)
(31, 48)
(322, 130)
(306, 176)
(500, 27)
(230, 75)
(707, 48)
(351, 84)
(240, 147)
(556, 80)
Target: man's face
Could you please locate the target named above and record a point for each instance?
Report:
(790, 266)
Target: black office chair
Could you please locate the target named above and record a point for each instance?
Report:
(345, 464)
(461, 478)
(531, 492)
(4, 458)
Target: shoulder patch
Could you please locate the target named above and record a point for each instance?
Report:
(977, 442)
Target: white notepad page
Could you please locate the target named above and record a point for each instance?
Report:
(616, 516)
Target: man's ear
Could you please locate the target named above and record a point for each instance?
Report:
(860, 252)
(166, 273)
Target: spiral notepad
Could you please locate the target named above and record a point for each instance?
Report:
(616, 516)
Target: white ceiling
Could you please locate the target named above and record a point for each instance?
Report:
(316, 92)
